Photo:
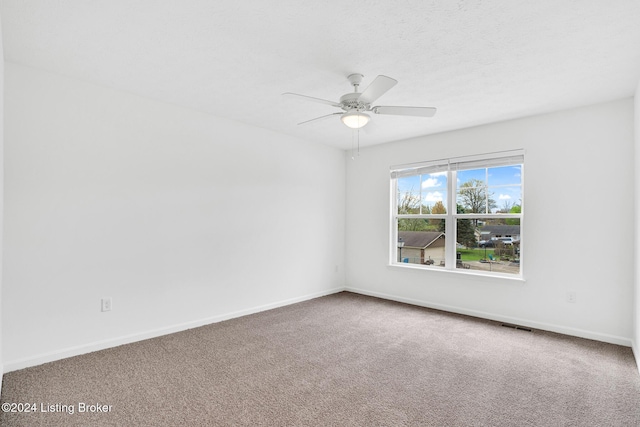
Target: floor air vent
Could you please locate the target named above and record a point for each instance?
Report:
(521, 328)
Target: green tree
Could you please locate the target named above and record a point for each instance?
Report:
(506, 206)
(514, 221)
(417, 224)
(465, 230)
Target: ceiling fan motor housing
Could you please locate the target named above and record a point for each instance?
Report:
(351, 102)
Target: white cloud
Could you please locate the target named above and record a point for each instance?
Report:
(433, 181)
(430, 183)
(436, 196)
(504, 197)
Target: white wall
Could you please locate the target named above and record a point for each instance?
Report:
(578, 184)
(181, 217)
(636, 319)
(1, 187)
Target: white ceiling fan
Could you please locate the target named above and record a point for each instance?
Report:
(356, 105)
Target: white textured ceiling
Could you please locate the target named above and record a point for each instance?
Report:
(477, 61)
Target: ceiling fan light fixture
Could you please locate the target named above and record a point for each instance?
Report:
(355, 119)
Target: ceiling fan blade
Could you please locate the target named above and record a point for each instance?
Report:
(320, 118)
(378, 87)
(406, 111)
(311, 98)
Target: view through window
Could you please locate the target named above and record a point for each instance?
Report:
(478, 199)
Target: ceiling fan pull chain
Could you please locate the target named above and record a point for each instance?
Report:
(355, 133)
(353, 145)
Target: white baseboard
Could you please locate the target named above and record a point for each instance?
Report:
(612, 339)
(15, 365)
(636, 353)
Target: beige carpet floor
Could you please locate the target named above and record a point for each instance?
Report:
(340, 360)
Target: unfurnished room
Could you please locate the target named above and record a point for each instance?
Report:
(286, 213)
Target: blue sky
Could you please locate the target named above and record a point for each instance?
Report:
(504, 184)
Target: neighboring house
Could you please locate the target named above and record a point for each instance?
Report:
(492, 232)
(421, 247)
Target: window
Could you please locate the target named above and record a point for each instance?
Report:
(478, 199)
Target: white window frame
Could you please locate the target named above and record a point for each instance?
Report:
(452, 166)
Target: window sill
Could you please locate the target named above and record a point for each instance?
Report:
(464, 272)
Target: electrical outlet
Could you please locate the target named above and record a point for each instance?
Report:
(106, 304)
(571, 297)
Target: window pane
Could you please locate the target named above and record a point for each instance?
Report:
(508, 199)
(425, 246)
(434, 193)
(490, 190)
(505, 175)
(495, 245)
(473, 195)
(473, 174)
(409, 195)
(505, 184)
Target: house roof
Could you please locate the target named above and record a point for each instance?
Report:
(501, 229)
(419, 239)
(477, 62)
